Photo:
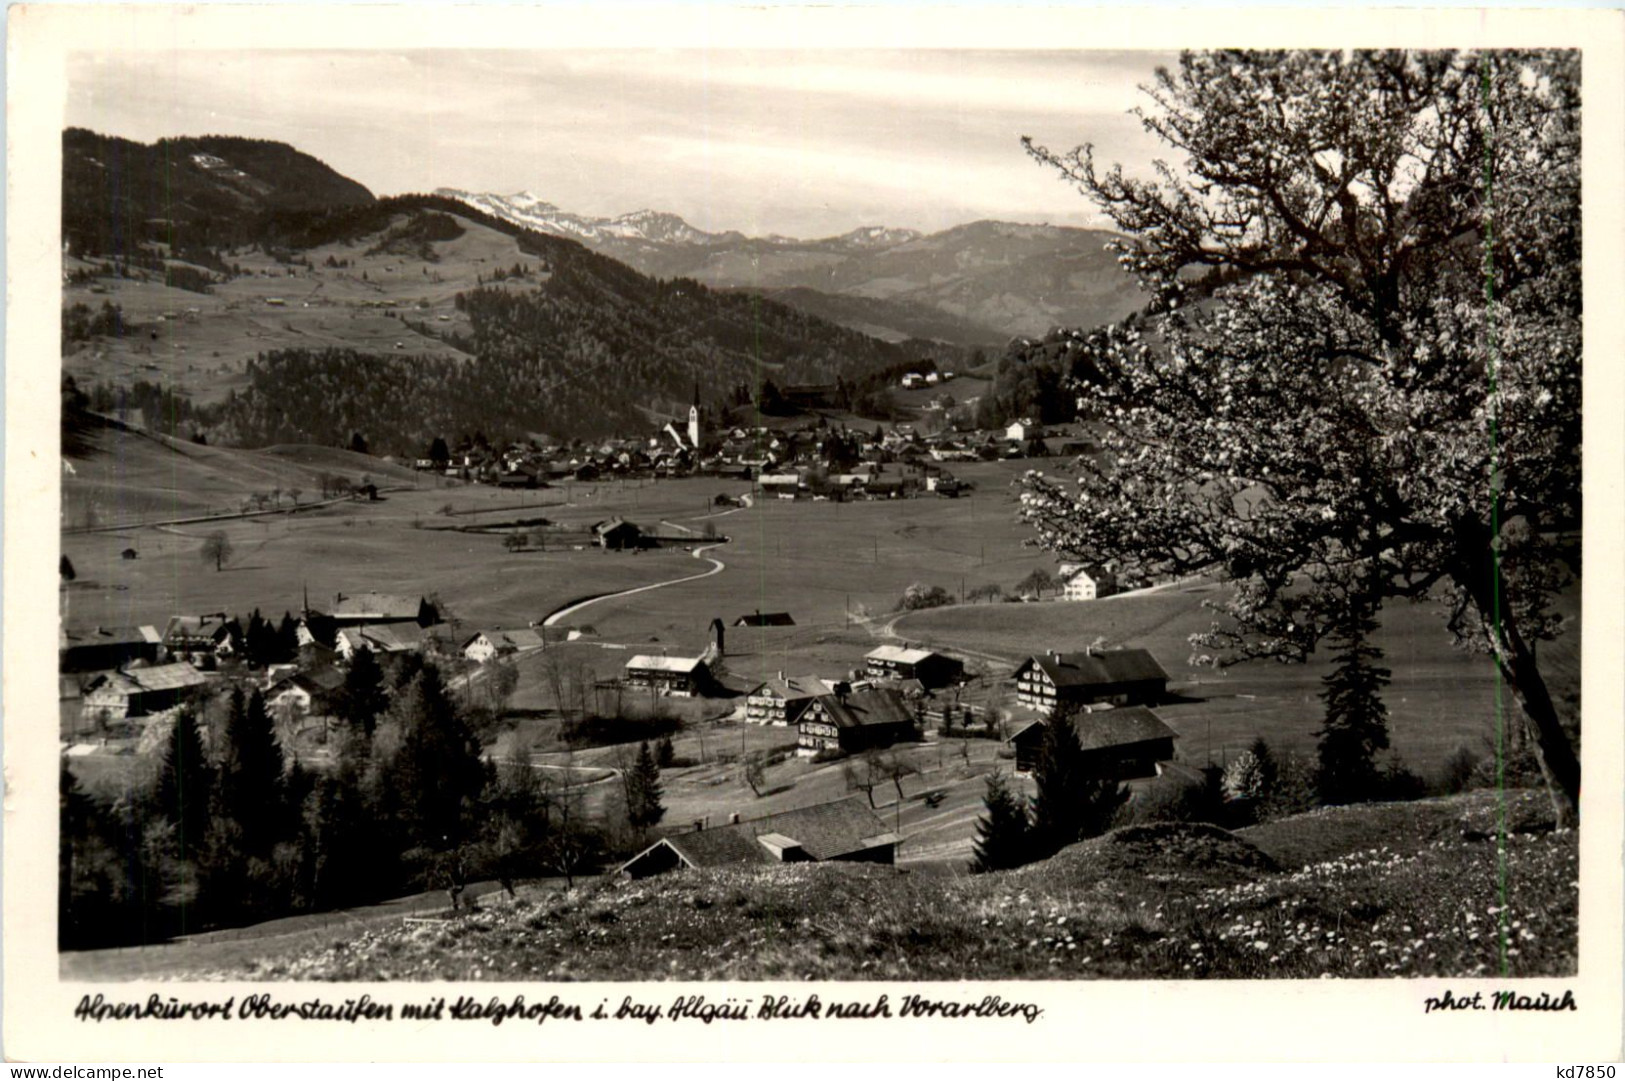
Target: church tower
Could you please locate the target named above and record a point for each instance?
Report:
(694, 421)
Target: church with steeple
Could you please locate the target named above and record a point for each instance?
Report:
(694, 421)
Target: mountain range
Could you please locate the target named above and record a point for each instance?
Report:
(978, 284)
(574, 324)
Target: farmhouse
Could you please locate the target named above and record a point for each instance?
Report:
(1024, 430)
(139, 690)
(680, 677)
(853, 722)
(96, 649)
(765, 619)
(1123, 676)
(616, 534)
(488, 645)
(390, 638)
(191, 638)
(1118, 744)
(780, 485)
(781, 701)
(844, 830)
(896, 662)
(1084, 583)
(356, 609)
(305, 694)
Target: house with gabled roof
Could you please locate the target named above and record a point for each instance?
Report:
(140, 689)
(1121, 676)
(616, 534)
(1121, 743)
(92, 649)
(1085, 582)
(350, 610)
(389, 638)
(191, 638)
(903, 662)
(781, 701)
(680, 677)
(852, 722)
(489, 645)
(845, 830)
(305, 694)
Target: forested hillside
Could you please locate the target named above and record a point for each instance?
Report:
(195, 195)
(564, 341)
(571, 350)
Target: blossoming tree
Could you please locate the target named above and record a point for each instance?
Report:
(1359, 374)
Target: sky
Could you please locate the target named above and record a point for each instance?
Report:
(801, 143)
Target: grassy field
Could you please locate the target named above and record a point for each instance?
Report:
(1380, 891)
(1441, 697)
(199, 343)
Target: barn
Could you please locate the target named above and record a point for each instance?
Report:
(1121, 743)
(845, 830)
(94, 649)
(897, 662)
(680, 677)
(140, 690)
(616, 534)
(765, 619)
(1122, 676)
(356, 609)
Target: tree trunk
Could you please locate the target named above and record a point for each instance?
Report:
(1558, 763)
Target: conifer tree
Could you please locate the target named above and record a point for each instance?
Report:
(362, 697)
(1003, 834)
(1356, 724)
(643, 807)
(250, 781)
(1070, 803)
(185, 780)
(437, 770)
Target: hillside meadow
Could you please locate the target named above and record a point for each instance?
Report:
(1369, 892)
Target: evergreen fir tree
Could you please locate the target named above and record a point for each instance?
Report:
(251, 773)
(1002, 834)
(1070, 804)
(185, 780)
(287, 638)
(643, 807)
(1356, 724)
(362, 697)
(437, 771)
(665, 753)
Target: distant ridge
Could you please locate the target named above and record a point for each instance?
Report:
(994, 280)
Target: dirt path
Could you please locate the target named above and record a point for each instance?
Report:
(717, 567)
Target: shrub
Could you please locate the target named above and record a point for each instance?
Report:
(919, 596)
(1456, 774)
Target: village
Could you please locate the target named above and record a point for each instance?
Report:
(121, 689)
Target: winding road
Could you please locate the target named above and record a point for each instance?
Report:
(717, 566)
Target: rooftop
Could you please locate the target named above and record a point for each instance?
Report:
(1109, 666)
(898, 654)
(823, 831)
(861, 709)
(665, 664)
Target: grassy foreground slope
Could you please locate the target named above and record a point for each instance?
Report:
(1386, 890)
